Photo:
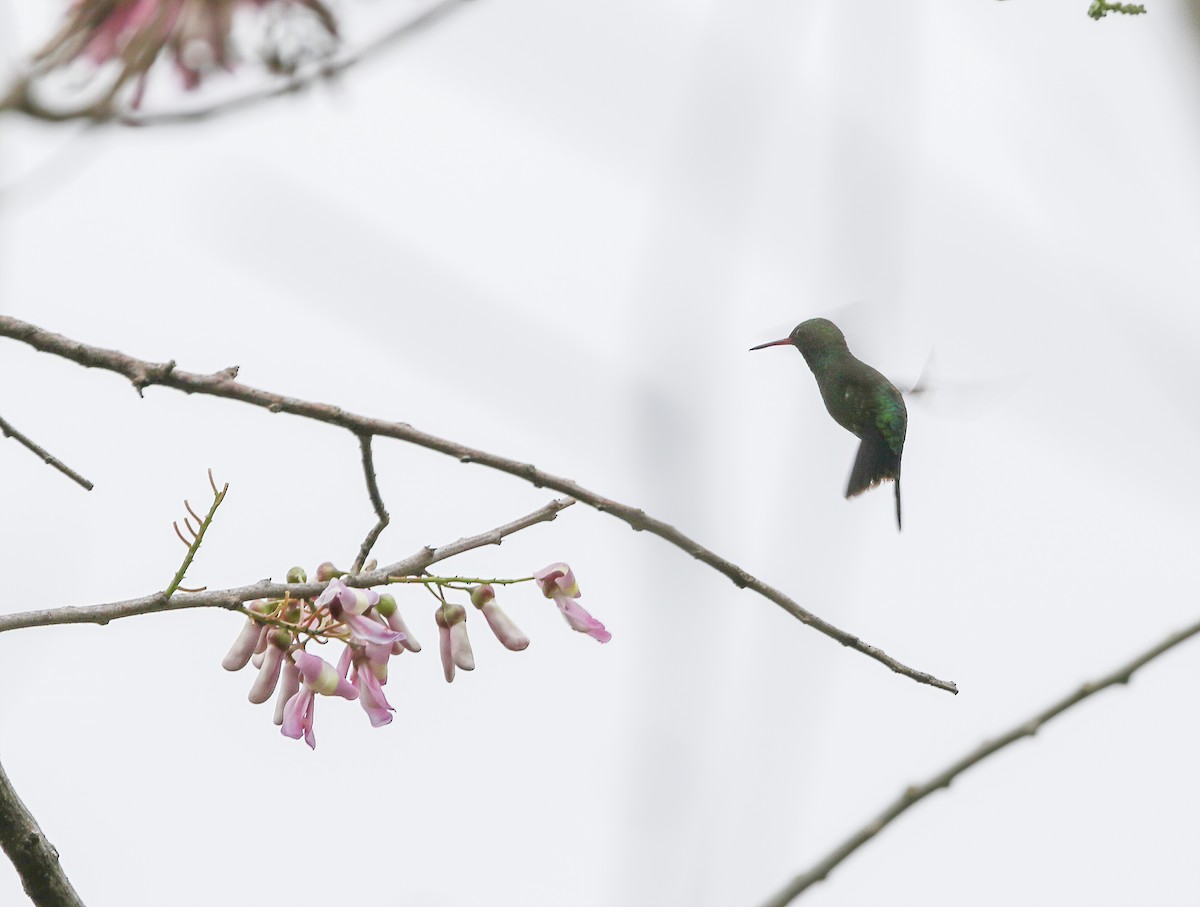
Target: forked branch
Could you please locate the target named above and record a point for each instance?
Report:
(223, 384)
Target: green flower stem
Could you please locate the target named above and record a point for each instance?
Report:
(218, 498)
(459, 580)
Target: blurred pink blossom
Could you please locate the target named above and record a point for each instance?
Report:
(196, 33)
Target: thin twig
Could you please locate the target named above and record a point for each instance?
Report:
(197, 535)
(143, 374)
(34, 858)
(368, 464)
(20, 96)
(49, 459)
(916, 793)
(232, 599)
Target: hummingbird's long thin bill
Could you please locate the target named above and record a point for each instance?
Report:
(762, 346)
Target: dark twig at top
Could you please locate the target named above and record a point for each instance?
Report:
(34, 858)
(222, 384)
(21, 96)
(49, 459)
(368, 464)
(918, 792)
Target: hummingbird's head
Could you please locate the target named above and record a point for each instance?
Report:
(817, 335)
(812, 337)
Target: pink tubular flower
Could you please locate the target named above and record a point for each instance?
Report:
(318, 676)
(368, 666)
(390, 611)
(452, 636)
(509, 634)
(322, 677)
(196, 33)
(558, 582)
(351, 606)
(253, 638)
(338, 595)
(298, 717)
(289, 685)
(268, 673)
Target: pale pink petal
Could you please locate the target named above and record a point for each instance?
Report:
(505, 629)
(372, 700)
(460, 646)
(359, 600)
(557, 579)
(335, 591)
(452, 637)
(243, 647)
(396, 622)
(377, 659)
(289, 683)
(322, 677)
(298, 717)
(368, 630)
(580, 620)
(268, 673)
(268, 676)
(447, 654)
(343, 664)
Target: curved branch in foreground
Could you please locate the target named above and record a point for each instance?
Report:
(34, 857)
(918, 792)
(20, 96)
(7, 430)
(231, 599)
(223, 384)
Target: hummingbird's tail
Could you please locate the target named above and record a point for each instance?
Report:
(876, 462)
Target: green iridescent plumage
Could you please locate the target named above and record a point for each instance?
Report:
(860, 399)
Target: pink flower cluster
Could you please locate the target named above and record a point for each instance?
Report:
(369, 624)
(373, 631)
(196, 33)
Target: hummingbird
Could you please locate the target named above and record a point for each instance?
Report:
(860, 399)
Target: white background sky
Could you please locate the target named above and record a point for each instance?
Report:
(552, 230)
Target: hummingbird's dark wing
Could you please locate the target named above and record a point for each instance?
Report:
(891, 416)
(882, 431)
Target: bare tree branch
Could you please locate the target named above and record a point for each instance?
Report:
(232, 599)
(368, 463)
(34, 857)
(49, 459)
(918, 792)
(143, 374)
(20, 96)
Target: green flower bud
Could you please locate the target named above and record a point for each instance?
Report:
(481, 595)
(386, 606)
